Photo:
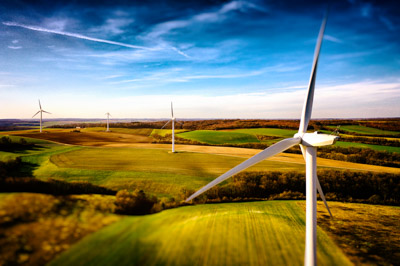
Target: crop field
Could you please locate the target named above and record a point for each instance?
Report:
(367, 130)
(88, 138)
(252, 233)
(219, 137)
(163, 132)
(133, 131)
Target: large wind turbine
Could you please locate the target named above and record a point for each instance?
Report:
(41, 111)
(308, 143)
(108, 122)
(173, 127)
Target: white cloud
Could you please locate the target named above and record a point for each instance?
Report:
(355, 100)
(15, 41)
(169, 26)
(14, 47)
(114, 25)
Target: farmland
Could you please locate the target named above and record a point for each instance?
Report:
(129, 158)
(367, 130)
(256, 233)
(218, 137)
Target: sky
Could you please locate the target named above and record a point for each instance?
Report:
(212, 59)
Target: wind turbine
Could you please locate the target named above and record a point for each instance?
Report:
(108, 122)
(173, 127)
(308, 143)
(41, 111)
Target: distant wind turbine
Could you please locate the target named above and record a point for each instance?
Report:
(308, 143)
(41, 111)
(173, 127)
(108, 122)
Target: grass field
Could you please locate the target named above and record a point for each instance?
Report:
(367, 146)
(219, 137)
(276, 132)
(252, 233)
(366, 130)
(155, 170)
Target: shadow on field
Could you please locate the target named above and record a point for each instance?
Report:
(17, 168)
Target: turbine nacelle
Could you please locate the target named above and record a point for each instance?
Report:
(315, 139)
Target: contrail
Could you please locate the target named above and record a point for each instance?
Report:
(74, 35)
(180, 52)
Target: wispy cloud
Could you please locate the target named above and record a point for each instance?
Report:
(111, 77)
(205, 17)
(174, 75)
(332, 39)
(362, 99)
(75, 35)
(114, 25)
(14, 47)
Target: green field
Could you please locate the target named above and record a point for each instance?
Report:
(367, 146)
(219, 137)
(42, 147)
(276, 132)
(251, 233)
(366, 130)
(155, 170)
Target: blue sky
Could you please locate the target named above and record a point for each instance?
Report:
(213, 59)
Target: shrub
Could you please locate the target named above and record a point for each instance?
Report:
(136, 202)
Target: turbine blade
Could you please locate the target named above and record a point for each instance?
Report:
(268, 152)
(166, 124)
(36, 114)
(172, 111)
(319, 188)
(303, 151)
(321, 193)
(40, 105)
(46, 112)
(308, 102)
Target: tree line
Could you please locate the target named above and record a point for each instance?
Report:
(367, 187)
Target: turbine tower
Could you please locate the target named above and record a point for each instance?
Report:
(41, 111)
(173, 127)
(108, 122)
(308, 143)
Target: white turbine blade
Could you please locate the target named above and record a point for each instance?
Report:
(319, 188)
(307, 108)
(40, 105)
(46, 112)
(36, 114)
(166, 124)
(268, 152)
(321, 193)
(172, 111)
